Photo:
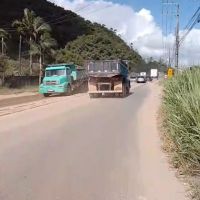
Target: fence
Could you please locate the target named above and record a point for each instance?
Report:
(21, 81)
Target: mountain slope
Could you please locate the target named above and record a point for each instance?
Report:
(101, 44)
(64, 28)
(81, 38)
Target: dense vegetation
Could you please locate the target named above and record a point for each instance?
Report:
(182, 121)
(101, 44)
(35, 27)
(66, 25)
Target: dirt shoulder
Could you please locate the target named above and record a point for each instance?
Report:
(9, 96)
(19, 99)
(6, 92)
(157, 176)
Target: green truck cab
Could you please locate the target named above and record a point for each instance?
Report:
(62, 79)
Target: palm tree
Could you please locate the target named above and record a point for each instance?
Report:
(43, 42)
(27, 22)
(32, 27)
(3, 67)
(25, 27)
(39, 28)
(3, 36)
(21, 31)
(44, 45)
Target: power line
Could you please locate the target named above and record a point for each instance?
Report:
(190, 25)
(54, 21)
(192, 18)
(94, 11)
(63, 18)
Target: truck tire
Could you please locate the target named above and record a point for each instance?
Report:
(69, 90)
(127, 90)
(123, 94)
(46, 94)
(91, 96)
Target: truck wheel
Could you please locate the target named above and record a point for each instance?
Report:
(95, 96)
(46, 94)
(123, 94)
(98, 95)
(69, 91)
(127, 91)
(91, 96)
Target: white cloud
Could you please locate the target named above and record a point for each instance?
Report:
(137, 27)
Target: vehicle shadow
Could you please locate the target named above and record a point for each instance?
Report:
(113, 96)
(82, 90)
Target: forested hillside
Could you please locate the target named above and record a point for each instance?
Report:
(78, 39)
(66, 25)
(101, 44)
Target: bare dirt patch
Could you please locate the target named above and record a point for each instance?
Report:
(19, 100)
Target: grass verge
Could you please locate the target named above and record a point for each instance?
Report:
(181, 111)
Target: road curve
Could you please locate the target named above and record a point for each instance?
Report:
(83, 149)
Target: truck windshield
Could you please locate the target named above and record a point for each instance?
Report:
(102, 66)
(55, 72)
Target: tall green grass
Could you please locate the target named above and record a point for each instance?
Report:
(181, 106)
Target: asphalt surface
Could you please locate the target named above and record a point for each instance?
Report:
(78, 149)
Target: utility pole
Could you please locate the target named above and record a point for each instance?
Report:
(177, 38)
(2, 46)
(20, 50)
(167, 5)
(169, 61)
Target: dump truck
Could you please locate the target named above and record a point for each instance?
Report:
(62, 79)
(108, 77)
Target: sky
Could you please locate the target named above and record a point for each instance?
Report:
(141, 22)
(187, 8)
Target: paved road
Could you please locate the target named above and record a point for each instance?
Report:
(79, 149)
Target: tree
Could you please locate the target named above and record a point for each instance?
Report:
(20, 27)
(25, 27)
(31, 27)
(44, 44)
(3, 67)
(39, 28)
(3, 36)
(34, 29)
(65, 56)
(102, 44)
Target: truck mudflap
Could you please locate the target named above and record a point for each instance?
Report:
(105, 92)
(120, 90)
(105, 88)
